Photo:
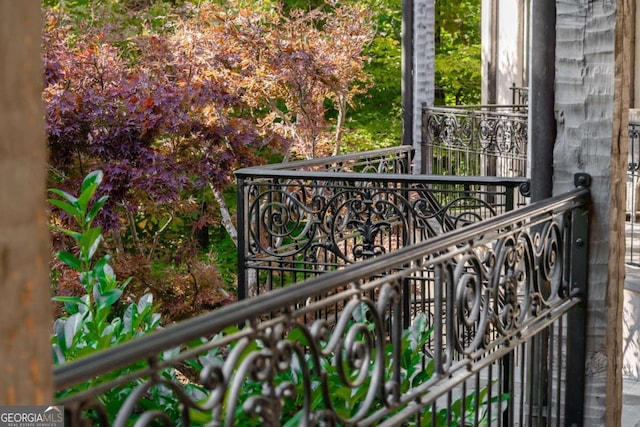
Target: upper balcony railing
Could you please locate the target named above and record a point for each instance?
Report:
(519, 97)
(633, 193)
(487, 343)
(475, 140)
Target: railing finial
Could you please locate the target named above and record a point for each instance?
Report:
(582, 180)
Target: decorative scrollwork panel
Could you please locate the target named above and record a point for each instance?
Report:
(487, 288)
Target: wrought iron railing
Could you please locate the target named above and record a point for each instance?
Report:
(633, 201)
(519, 97)
(502, 290)
(475, 141)
(318, 216)
(387, 160)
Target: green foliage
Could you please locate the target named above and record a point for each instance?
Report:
(416, 369)
(458, 51)
(91, 322)
(376, 121)
(458, 74)
(226, 257)
(96, 320)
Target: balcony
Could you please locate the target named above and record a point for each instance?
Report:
(372, 295)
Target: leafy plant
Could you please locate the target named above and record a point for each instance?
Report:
(97, 320)
(90, 322)
(94, 321)
(416, 368)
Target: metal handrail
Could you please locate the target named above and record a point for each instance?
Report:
(259, 172)
(290, 221)
(404, 150)
(515, 110)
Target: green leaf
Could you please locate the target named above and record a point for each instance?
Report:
(105, 275)
(85, 306)
(70, 259)
(145, 301)
(71, 327)
(70, 198)
(58, 355)
(295, 420)
(128, 318)
(108, 298)
(199, 418)
(68, 299)
(105, 339)
(102, 262)
(89, 187)
(95, 208)
(72, 210)
(58, 333)
(89, 242)
(92, 178)
(124, 284)
(153, 322)
(71, 233)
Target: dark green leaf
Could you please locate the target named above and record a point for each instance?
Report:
(70, 259)
(71, 327)
(89, 187)
(68, 299)
(71, 210)
(108, 298)
(71, 199)
(90, 241)
(95, 208)
(71, 233)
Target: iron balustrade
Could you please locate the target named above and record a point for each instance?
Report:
(298, 222)
(519, 97)
(500, 285)
(632, 224)
(475, 140)
(387, 160)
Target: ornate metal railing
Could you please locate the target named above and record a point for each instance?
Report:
(475, 141)
(322, 215)
(387, 160)
(633, 202)
(502, 290)
(519, 97)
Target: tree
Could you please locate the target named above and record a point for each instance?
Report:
(169, 111)
(26, 317)
(293, 66)
(377, 120)
(458, 49)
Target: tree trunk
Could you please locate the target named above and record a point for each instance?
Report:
(25, 319)
(227, 221)
(591, 138)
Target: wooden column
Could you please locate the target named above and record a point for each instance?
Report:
(624, 47)
(25, 317)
